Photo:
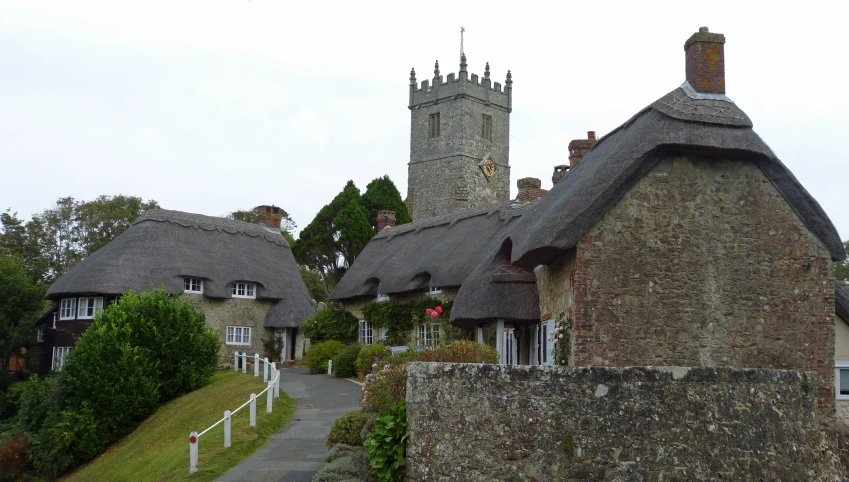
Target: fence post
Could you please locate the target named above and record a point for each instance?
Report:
(330, 367)
(236, 361)
(244, 362)
(193, 452)
(277, 384)
(253, 409)
(265, 370)
(268, 398)
(226, 428)
(256, 364)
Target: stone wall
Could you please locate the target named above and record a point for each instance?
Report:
(221, 313)
(703, 263)
(493, 422)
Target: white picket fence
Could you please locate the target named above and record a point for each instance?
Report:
(270, 374)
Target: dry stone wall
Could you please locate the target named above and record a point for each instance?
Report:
(493, 422)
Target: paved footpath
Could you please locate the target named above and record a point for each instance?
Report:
(294, 454)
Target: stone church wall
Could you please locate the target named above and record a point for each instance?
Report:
(703, 263)
(494, 422)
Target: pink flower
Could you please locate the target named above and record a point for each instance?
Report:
(429, 311)
(433, 314)
(438, 309)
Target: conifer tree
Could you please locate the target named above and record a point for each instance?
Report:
(382, 195)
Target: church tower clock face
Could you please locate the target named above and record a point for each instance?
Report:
(488, 168)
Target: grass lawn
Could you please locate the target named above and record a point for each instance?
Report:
(159, 448)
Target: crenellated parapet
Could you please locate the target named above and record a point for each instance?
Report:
(484, 90)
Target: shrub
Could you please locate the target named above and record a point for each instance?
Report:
(387, 444)
(14, 457)
(331, 323)
(149, 349)
(385, 388)
(351, 467)
(461, 352)
(345, 363)
(369, 354)
(272, 347)
(346, 429)
(320, 353)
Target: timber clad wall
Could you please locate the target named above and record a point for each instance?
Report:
(703, 263)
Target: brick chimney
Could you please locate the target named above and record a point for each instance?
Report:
(269, 216)
(705, 54)
(559, 172)
(529, 190)
(385, 219)
(579, 147)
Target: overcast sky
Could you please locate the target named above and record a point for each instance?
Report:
(211, 106)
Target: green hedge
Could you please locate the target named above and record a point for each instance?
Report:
(345, 363)
(319, 354)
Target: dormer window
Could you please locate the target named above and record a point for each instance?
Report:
(244, 290)
(67, 308)
(382, 298)
(435, 290)
(193, 285)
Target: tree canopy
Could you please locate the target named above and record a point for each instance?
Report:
(382, 195)
(21, 301)
(59, 237)
(333, 240)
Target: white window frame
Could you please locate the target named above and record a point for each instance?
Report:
(381, 333)
(382, 298)
(192, 285)
(39, 335)
(366, 333)
(235, 333)
(435, 290)
(839, 365)
(244, 290)
(55, 315)
(60, 356)
(428, 334)
(68, 305)
(92, 303)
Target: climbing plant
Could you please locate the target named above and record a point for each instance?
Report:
(399, 318)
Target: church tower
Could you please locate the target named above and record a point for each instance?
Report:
(459, 142)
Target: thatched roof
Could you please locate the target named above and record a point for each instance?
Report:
(162, 247)
(438, 252)
(497, 290)
(680, 122)
(841, 301)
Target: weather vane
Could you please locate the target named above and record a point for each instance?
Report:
(461, 40)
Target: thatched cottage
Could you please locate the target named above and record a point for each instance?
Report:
(680, 239)
(242, 275)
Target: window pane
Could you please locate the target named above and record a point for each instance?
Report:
(844, 381)
(187, 284)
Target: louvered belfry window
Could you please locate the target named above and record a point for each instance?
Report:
(486, 127)
(433, 125)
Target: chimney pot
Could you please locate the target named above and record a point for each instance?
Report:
(269, 216)
(385, 219)
(559, 172)
(579, 147)
(705, 62)
(529, 190)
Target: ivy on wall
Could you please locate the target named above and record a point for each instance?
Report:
(400, 318)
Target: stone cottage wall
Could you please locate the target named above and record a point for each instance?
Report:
(703, 263)
(494, 422)
(221, 313)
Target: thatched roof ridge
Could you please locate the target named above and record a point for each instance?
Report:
(162, 247)
(676, 123)
(841, 301)
(438, 252)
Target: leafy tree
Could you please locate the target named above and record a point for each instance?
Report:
(382, 195)
(21, 300)
(100, 221)
(330, 243)
(331, 323)
(62, 235)
(315, 284)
